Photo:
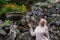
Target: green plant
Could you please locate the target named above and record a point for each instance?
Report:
(23, 9)
(44, 4)
(13, 8)
(7, 22)
(20, 9)
(7, 9)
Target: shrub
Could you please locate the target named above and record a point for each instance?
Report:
(13, 8)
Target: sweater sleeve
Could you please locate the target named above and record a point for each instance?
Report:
(47, 33)
(33, 33)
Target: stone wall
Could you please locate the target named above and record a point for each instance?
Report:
(51, 13)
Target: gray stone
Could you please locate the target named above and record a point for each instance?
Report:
(58, 22)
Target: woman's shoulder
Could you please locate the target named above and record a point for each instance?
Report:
(46, 27)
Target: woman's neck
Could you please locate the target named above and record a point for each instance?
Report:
(41, 26)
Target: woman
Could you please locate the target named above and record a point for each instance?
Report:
(41, 31)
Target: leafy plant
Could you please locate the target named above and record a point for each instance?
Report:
(7, 22)
(7, 9)
(13, 8)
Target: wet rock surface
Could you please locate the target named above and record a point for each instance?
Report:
(51, 14)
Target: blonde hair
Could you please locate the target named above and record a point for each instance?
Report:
(45, 22)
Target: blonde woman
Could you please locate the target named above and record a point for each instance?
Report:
(41, 31)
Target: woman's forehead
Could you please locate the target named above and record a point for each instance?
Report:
(41, 19)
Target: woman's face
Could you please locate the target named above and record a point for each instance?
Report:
(41, 22)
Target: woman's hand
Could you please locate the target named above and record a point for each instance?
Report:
(29, 25)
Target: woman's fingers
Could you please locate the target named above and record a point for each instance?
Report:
(30, 26)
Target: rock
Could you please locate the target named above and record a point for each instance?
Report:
(52, 15)
(58, 22)
(53, 1)
(2, 32)
(57, 15)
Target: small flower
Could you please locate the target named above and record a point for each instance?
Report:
(23, 5)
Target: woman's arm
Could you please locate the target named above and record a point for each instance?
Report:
(33, 33)
(31, 30)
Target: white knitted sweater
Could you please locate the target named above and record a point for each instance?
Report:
(41, 33)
